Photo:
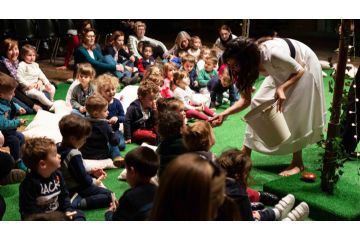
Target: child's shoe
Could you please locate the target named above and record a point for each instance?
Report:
(255, 206)
(268, 198)
(75, 200)
(122, 175)
(15, 176)
(299, 213)
(119, 162)
(284, 206)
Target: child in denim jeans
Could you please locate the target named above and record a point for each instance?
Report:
(8, 120)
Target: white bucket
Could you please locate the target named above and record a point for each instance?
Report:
(268, 124)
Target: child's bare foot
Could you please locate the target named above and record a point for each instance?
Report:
(37, 107)
(291, 170)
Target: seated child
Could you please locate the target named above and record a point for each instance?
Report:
(205, 52)
(8, 175)
(85, 75)
(207, 73)
(219, 85)
(188, 64)
(195, 45)
(170, 126)
(237, 166)
(102, 139)
(32, 79)
(199, 138)
(168, 84)
(147, 59)
(106, 86)
(85, 191)
(8, 120)
(139, 123)
(43, 191)
(195, 104)
(135, 204)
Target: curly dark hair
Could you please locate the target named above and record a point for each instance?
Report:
(246, 53)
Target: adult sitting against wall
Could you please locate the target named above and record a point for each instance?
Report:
(140, 28)
(89, 53)
(182, 43)
(75, 42)
(9, 63)
(225, 35)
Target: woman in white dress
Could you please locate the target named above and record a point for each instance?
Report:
(293, 77)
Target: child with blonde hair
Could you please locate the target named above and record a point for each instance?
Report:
(85, 76)
(195, 46)
(195, 104)
(32, 79)
(168, 84)
(107, 86)
(199, 138)
(205, 52)
(140, 119)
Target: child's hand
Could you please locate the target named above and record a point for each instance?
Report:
(98, 172)
(196, 83)
(99, 180)
(48, 87)
(22, 121)
(39, 85)
(21, 111)
(132, 58)
(113, 120)
(119, 67)
(128, 141)
(31, 86)
(70, 215)
(113, 205)
(82, 109)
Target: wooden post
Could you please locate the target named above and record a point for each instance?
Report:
(329, 161)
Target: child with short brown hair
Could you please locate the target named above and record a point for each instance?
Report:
(135, 204)
(102, 139)
(139, 123)
(188, 64)
(8, 120)
(85, 190)
(85, 76)
(199, 138)
(43, 190)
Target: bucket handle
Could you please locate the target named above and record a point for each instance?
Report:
(269, 107)
(264, 110)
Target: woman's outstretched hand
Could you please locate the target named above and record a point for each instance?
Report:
(280, 96)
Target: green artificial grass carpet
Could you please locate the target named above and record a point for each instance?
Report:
(342, 205)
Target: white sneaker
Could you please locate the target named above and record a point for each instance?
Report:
(122, 175)
(285, 205)
(299, 213)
